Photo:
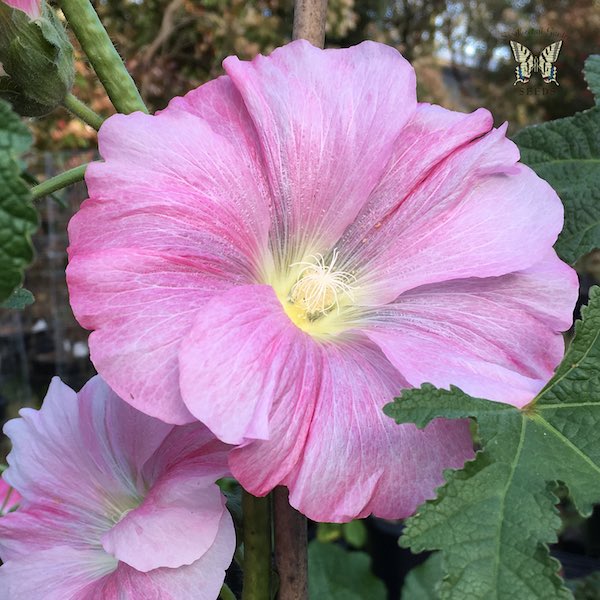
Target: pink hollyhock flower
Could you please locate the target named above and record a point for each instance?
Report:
(9, 497)
(32, 8)
(283, 250)
(116, 504)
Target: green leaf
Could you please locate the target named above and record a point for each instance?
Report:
(18, 300)
(18, 218)
(336, 574)
(591, 71)
(423, 581)
(355, 533)
(493, 518)
(588, 588)
(566, 153)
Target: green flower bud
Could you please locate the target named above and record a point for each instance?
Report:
(37, 59)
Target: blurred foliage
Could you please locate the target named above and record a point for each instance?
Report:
(460, 50)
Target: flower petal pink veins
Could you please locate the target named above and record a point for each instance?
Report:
(116, 504)
(283, 250)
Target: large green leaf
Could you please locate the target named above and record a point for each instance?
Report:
(336, 574)
(423, 581)
(18, 218)
(493, 519)
(592, 75)
(566, 153)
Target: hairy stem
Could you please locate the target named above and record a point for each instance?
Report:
(83, 112)
(257, 547)
(59, 182)
(102, 55)
(310, 17)
(291, 558)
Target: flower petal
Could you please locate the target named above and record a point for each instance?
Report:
(201, 580)
(174, 214)
(356, 460)
(184, 506)
(175, 525)
(471, 211)
(32, 8)
(272, 359)
(141, 306)
(103, 437)
(327, 121)
(62, 572)
(463, 332)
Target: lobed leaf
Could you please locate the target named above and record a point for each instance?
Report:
(494, 518)
(591, 71)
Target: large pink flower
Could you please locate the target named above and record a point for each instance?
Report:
(116, 504)
(284, 249)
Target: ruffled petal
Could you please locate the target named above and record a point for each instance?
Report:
(356, 460)
(60, 573)
(174, 214)
(465, 209)
(327, 121)
(140, 306)
(498, 338)
(241, 354)
(116, 438)
(201, 580)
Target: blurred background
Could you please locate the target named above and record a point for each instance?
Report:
(462, 56)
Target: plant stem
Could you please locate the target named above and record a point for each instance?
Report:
(83, 112)
(257, 547)
(291, 541)
(226, 593)
(102, 55)
(58, 182)
(310, 17)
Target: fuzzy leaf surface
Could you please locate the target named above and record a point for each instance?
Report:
(494, 518)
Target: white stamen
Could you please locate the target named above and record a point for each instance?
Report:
(319, 288)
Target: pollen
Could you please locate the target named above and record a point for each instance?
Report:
(320, 288)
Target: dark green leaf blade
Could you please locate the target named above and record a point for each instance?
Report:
(591, 71)
(566, 153)
(18, 218)
(336, 574)
(493, 518)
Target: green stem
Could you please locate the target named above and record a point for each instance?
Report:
(226, 593)
(102, 55)
(257, 547)
(85, 113)
(60, 181)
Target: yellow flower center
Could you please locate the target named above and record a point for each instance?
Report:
(318, 294)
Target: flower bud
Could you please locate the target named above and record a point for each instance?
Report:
(32, 8)
(37, 59)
